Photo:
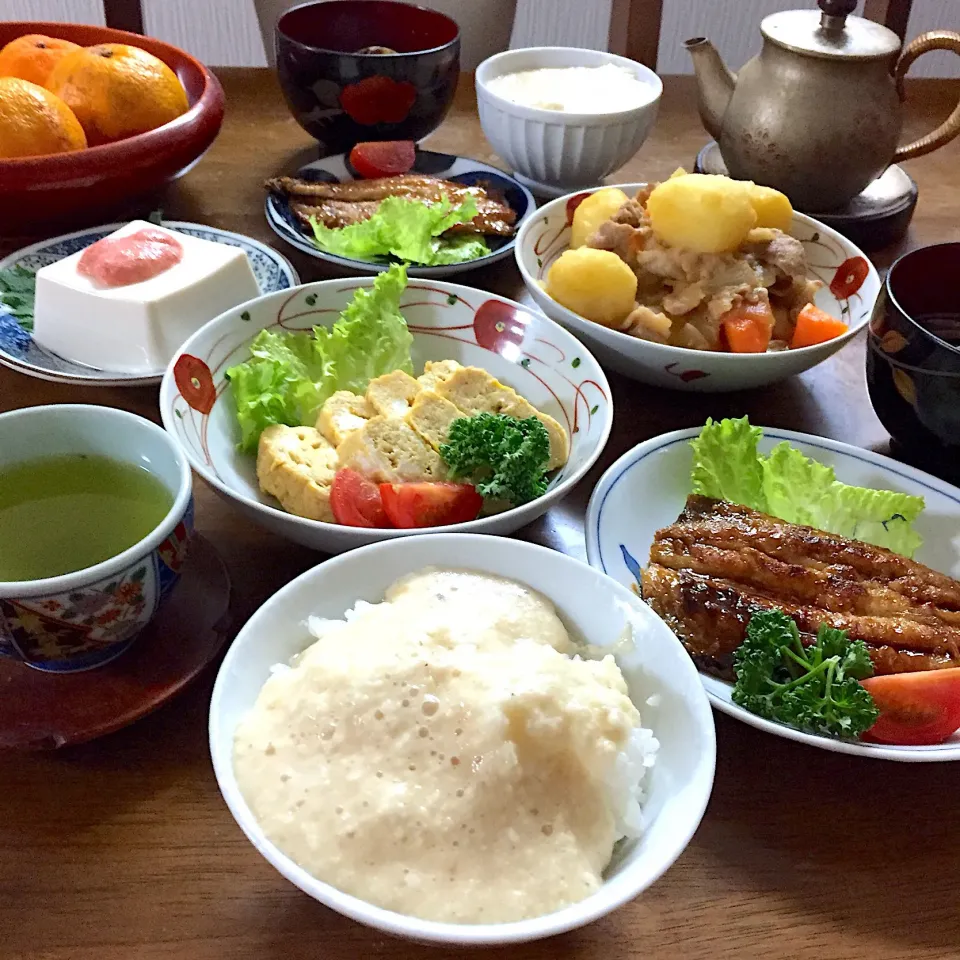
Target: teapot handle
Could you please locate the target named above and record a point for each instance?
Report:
(934, 40)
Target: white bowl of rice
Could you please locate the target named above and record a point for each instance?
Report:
(647, 763)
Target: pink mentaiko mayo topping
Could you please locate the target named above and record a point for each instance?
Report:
(133, 258)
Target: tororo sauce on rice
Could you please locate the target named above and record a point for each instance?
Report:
(444, 754)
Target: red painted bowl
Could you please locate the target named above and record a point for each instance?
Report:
(342, 96)
(86, 185)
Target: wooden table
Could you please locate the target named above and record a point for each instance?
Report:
(123, 849)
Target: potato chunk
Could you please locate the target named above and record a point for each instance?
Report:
(594, 210)
(773, 208)
(597, 284)
(702, 212)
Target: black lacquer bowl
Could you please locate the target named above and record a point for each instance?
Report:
(913, 358)
(341, 96)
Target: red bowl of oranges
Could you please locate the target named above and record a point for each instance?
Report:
(91, 118)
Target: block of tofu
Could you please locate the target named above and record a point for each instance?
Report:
(431, 416)
(343, 413)
(473, 390)
(436, 370)
(297, 465)
(388, 450)
(138, 327)
(392, 394)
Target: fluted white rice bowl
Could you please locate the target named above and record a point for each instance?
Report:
(555, 148)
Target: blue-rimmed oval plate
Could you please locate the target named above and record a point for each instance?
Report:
(646, 488)
(20, 352)
(336, 169)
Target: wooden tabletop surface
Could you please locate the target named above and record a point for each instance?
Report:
(123, 848)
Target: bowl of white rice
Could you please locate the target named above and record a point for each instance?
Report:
(589, 751)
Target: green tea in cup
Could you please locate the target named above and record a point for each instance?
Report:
(65, 513)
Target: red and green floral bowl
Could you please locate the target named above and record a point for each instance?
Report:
(850, 287)
(341, 96)
(522, 349)
(85, 619)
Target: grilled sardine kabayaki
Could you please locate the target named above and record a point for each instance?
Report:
(720, 562)
(341, 204)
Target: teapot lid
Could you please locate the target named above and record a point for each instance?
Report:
(830, 32)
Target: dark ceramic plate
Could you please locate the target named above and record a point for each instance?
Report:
(458, 169)
(44, 710)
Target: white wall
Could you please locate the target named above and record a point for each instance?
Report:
(226, 31)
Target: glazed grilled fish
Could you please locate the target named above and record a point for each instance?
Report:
(341, 204)
(719, 562)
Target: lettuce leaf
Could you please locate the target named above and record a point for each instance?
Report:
(726, 465)
(789, 485)
(407, 229)
(290, 374)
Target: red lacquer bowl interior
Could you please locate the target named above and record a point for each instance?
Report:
(85, 185)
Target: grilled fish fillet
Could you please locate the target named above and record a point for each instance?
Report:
(341, 204)
(720, 561)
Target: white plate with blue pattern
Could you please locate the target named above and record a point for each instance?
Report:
(647, 487)
(20, 352)
(446, 166)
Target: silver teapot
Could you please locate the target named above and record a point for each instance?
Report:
(818, 112)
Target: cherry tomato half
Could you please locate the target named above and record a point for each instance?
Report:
(915, 708)
(387, 158)
(355, 501)
(430, 504)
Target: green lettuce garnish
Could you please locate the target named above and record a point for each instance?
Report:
(791, 486)
(290, 374)
(407, 229)
(17, 289)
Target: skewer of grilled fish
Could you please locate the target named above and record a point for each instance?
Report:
(720, 562)
(341, 204)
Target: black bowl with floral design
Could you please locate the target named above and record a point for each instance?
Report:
(342, 95)
(913, 357)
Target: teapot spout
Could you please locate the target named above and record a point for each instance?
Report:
(715, 83)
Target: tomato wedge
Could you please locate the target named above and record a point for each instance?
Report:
(430, 504)
(916, 709)
(355, 501)
(383, 158)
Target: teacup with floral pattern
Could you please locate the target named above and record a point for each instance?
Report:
(85, 619)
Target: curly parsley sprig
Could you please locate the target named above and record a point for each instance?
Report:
(504, 457)
(813, 688)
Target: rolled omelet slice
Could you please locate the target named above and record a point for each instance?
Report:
(431, 416)
(297, 465)
(434, 371)
(389, 450)
(392, 394)
(472, 390)
(343, 413)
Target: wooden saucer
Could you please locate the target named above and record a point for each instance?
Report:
(40, 711)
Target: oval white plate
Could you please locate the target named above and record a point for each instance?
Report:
(647, 487)
(444, 165)
(546, 236)
(20, 352)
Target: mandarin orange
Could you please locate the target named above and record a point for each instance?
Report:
(33, 56)
(34, 122)
(117, 90)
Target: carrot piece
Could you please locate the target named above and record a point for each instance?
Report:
(815, 326)
(747, 327)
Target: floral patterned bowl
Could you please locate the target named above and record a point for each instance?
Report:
(341, 95)
(521, 349)
(86, 619)
(851, 285)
